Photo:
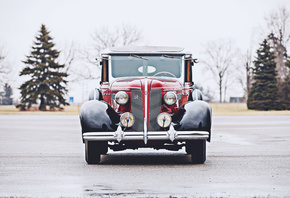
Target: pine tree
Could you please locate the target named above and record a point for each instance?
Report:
(47, 81)
(264, 92)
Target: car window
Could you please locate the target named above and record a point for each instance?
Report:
(133, 65)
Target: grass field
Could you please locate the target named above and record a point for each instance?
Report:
(240, 109)
(11, 109)
(217, 109)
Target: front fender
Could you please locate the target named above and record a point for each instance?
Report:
(95, 94)
(98, 116)
(193, 116)
(195, 95)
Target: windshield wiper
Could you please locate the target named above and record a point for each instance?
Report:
(140, 57)
(167, 56)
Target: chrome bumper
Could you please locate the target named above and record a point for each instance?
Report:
(171, 134)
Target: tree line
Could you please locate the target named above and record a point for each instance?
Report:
(47, 82)
(264, 76)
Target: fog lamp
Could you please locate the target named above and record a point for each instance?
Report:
(163, 120)
(121, 98)
(170, 98)
(127, 119)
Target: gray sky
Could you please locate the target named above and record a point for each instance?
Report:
(183, 23)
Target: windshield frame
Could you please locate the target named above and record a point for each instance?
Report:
(141, 56)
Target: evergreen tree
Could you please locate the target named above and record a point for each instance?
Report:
(47, 82)
(264, 92)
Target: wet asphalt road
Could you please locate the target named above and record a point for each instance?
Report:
(43, 156)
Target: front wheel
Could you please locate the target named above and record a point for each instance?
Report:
(197, 149)
(93, 151)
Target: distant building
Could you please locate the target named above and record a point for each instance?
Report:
(237, 99)
(6, 100)
(5, 96)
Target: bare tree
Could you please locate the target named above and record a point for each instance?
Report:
(244, 72)
(76, 62)
(227, 82)
(121, 36)
(70, 56)
(4, 65)
(219, 60)
(2, 59)
(104, 38)
(278, 22)
(278, 25)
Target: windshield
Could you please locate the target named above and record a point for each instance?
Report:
(133, 65)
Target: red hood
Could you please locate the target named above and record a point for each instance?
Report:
(165, 83)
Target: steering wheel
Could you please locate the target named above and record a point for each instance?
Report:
(164, 72)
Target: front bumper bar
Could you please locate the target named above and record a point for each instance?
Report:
(171, 134)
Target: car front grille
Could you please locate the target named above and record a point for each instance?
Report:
(137, 109)
(153, 111)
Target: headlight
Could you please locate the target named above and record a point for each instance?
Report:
(127, 119)
(170, 98)
(164, 120)
(121, 98)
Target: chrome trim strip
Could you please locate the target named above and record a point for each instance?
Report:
(146, 112)
(152, 135)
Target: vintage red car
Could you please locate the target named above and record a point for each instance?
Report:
(146, 99)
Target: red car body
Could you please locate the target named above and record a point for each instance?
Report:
(146, 99)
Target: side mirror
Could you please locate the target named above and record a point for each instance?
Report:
(99, 60)
(188, 84)
(194, 61)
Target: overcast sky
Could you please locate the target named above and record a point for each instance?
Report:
(186, 23)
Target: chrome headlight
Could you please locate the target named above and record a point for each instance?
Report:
(127, 119)
(121, 97)
(170, 98)
(164, 120)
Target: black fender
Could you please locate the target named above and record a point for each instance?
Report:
(95, 94)
(98, 116)
(195, 95)
(193, 116)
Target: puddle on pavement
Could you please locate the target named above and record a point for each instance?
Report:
(230, 138)
(107, 191)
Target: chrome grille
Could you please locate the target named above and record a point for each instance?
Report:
(137, 109)
(154, 109)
